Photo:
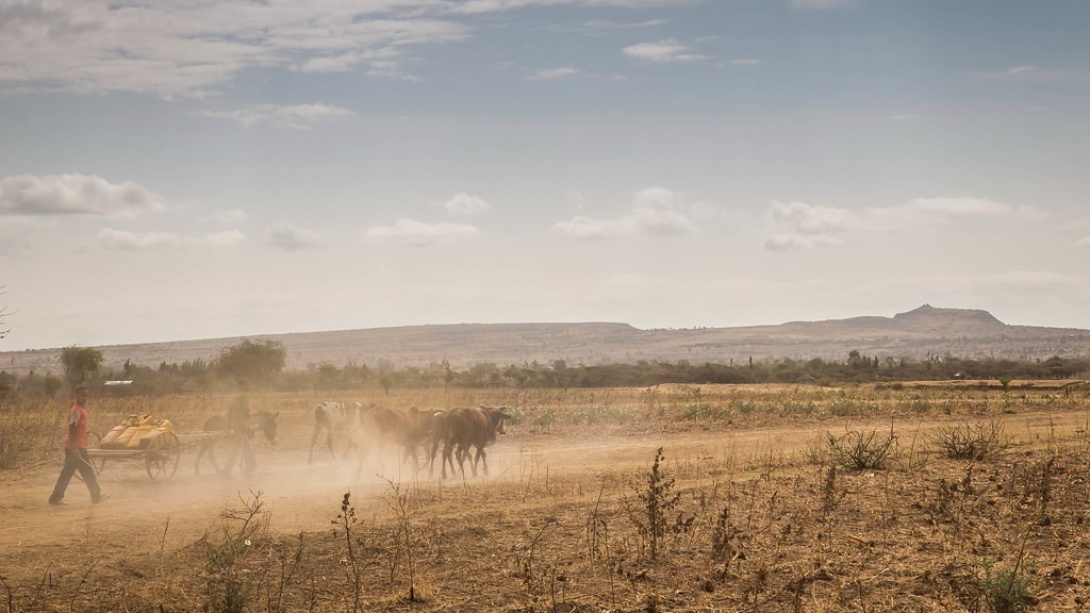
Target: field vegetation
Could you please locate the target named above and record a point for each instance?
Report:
(966, 496)
(264, 363)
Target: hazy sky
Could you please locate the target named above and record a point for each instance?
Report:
(178, 170)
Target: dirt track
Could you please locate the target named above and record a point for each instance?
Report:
(145, 515)
(301, 497)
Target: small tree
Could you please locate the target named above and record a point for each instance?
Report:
(51, 385)
(80, 363)
(329, 377)
(257, 362)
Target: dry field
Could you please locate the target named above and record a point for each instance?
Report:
(766, 498)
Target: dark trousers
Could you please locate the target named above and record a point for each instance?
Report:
(76, 459)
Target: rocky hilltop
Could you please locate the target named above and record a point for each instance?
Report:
(916, 334)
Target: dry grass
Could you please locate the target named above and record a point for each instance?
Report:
(774, 527)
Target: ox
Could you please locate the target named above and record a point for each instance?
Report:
(380, 426)
(263, 421)
(461, 429)
(331, 417)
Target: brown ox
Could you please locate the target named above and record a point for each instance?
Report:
(380, 427)
(460, 429)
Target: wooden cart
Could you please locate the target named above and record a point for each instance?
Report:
(160, 457)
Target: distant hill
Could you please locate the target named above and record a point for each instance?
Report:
(916, 334)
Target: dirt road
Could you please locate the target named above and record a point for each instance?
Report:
(148, 516)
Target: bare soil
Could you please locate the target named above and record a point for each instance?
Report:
(555, 527)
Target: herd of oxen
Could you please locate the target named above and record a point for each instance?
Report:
(418, 434)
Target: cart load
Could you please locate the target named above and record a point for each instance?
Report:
(137, 431)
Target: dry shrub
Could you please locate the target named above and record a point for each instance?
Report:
(970, 441)
(858, 450)
(229, 580)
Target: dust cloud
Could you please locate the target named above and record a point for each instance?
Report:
(305, 497)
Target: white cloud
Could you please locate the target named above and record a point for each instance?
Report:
(75, 195)
(483, 6)
(661, 222)
(936, 210)
(291, 238)
(386, 58)
(549, 74)
(466, 204)
(665, 51)
(793, 224)
(111, 238)
(407, 231)
(188, 49)
(964, 206)
(291, 116)
(745, 61)
(615, 25)
(799, 242)
(655, 211)
(813, 218)
(583, 227)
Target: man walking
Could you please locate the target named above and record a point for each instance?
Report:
(238, 422)
(75, 452)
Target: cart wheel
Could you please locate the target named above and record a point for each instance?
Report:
(162, 456)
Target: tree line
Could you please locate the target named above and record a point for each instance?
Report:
(263, 365)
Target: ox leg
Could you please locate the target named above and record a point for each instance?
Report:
(313, 439)
(463, 455)
(410, 453)
(351, 446)
(431, 458)
(481, 456)
(448, 448)
(477, 458)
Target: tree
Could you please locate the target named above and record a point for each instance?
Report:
(257, 362)
(51, 384)
(80, 363)
(329, 377)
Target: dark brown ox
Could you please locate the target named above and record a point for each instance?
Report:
(405, 429)
(462, 429)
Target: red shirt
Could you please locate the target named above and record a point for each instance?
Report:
(77, 415)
